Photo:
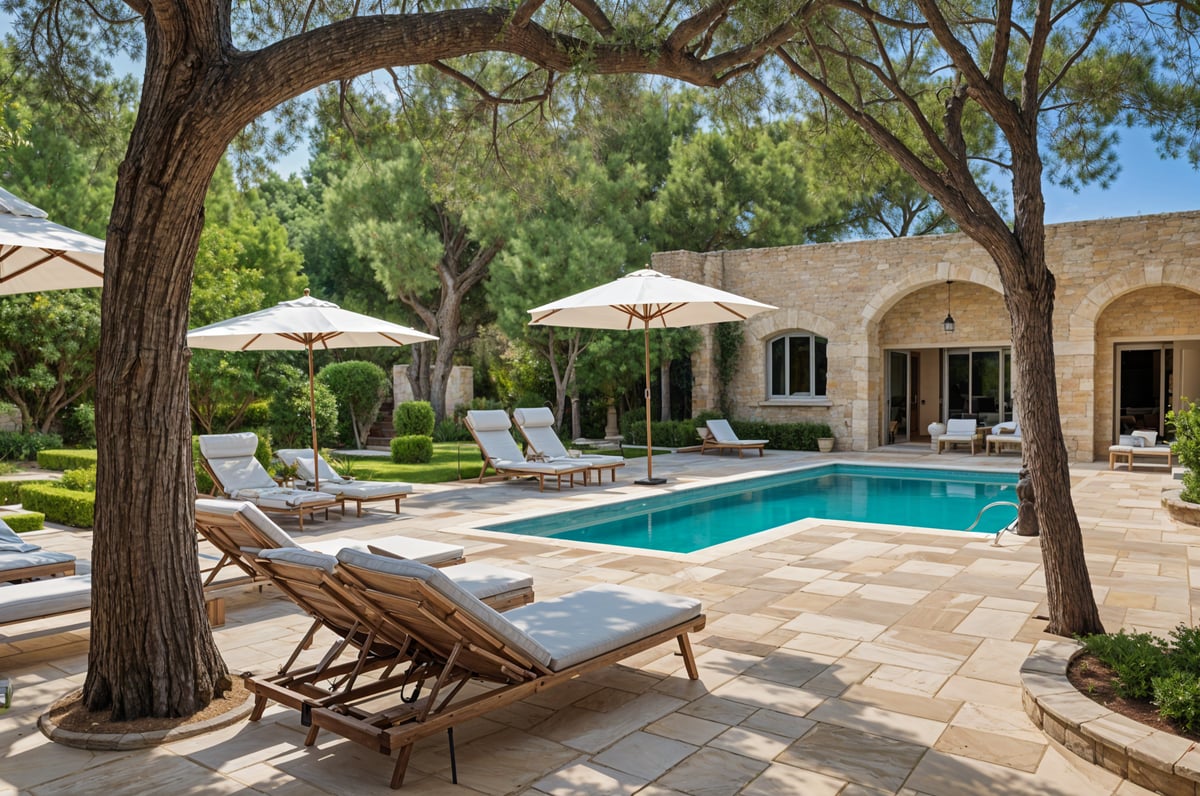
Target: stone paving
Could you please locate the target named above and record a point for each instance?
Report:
(838, 658)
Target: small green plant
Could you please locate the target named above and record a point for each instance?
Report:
(26, 521)
(413, 418)
(412, 449)
(1177, 697)
(1135, 658)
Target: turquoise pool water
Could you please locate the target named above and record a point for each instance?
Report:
(692, 520)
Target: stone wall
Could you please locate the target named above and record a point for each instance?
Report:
(459, 390)
(868, 296)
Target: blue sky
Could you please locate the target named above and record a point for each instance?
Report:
(1145, 185)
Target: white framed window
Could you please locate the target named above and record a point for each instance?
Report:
(796, 366)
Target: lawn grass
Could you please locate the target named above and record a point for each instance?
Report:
(449, 460)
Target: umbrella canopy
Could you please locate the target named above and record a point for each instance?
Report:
(36, 254)
(302, 325)
(643, 299)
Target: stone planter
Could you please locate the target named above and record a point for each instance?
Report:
(825, 444)
(935, 430)
(1180, 510)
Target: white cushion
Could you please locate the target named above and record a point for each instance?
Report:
(302, 458)
(11, 560)
(1149, 437)
(488, 420)
(599, 619)
(960, 425)
(552, 467)
(11, 541)
(463, 599)
(486, 581)
(537, 417)
(422, 550)
(366, 490)
(38, 598)
(300, 556)
(278, 497)
(225, 446)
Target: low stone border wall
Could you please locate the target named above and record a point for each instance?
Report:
(1178, 509)
(1156, 760)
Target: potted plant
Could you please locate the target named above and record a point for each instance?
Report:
(824, 438)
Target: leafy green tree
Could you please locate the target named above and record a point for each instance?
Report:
(243, 264)
(428, 254)
(359, 388)
(48, 360)
(291, 410)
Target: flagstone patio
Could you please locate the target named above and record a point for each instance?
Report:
(838, 658)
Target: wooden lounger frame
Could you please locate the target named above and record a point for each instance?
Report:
(449, 649)
(66, 568)
(709, 443)
(519, 472)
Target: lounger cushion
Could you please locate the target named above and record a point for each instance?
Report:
(38, 598)
(489, 420)
(302, 458)
(422, 550)
(537, 417)
(277, 497)
(228, 446)
(1150, 438)
(537, 425)
(552, 467)
(34, 558)
(300, 556)
(599, 619)
(366, 490)
(11, 542)
(503, 629)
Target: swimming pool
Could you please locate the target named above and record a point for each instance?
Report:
(687, 521)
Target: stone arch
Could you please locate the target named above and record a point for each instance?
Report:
(886, 297)
(771, 324)
(1081, 325)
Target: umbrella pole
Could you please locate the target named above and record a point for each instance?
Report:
(649, 480)
(312, 419)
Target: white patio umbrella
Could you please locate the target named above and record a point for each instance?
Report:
(37, 255)
(643, 299)
(302, 325)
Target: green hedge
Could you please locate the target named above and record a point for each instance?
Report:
(25, 521)
(412, 449)
(66, 459)
(10, 491)
(81, 479)
(67, 506)
(682, 433)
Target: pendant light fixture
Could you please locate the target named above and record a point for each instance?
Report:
(948, 324)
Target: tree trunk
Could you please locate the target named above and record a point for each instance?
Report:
(152, 651)
(418, 371)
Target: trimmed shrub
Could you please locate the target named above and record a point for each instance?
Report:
(66, 506)
(413, 418)
(19, 446)
(66, 459)
(79, 426)
(359, 388)
(412, 449)
(25, 521)
(81, 480)
(291, 426)
(1186, 424)
(10, 491)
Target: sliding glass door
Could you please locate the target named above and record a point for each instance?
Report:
(978, 384)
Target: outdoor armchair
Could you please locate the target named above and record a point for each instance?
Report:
(229, 460)
(958, 431)
(491, 430)
(345, 488)
(537, 426)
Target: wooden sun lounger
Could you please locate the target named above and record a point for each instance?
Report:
(456, 639)
(309, 580)
(490, 430)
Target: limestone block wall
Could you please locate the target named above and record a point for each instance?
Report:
(459, 390)
(867, 296)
